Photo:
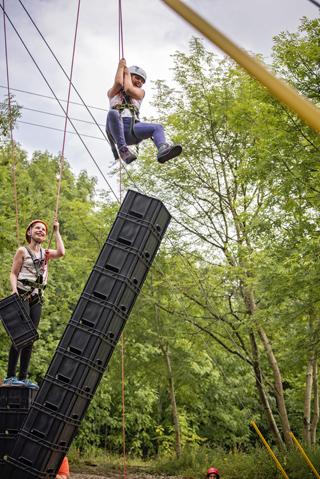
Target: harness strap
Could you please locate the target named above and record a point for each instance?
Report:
(33, 284)
(36, 262)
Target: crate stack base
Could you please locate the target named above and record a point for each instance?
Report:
(15, 403)
(89, 339)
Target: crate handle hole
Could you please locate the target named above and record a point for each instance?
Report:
(51, 406)
(26, 461)
(75, 350)
(135, 281)
(123, 308)
(62, 378)
(99, 295)
(158, 228)
(87, 323)
(125, 241)
(112, 268)
(147, 254)
(135, 213)
(38, 433)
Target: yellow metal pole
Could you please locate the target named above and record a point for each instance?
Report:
(277, 463)
(304, 455)
(279, 89)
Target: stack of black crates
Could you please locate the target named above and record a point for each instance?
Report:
(89, 339)
(15, 403)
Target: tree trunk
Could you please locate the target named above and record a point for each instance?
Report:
(262, 394)
(315, 418)
(251, 306)
(278, 387)
(307, 402)
(174, 408)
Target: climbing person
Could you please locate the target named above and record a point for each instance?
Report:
(28, 279)
(123, 125)
(213, 473)
(64, 470)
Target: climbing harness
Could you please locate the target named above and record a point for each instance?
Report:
(38, 283)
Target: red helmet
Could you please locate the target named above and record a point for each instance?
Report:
(213, 470)
(31, 224)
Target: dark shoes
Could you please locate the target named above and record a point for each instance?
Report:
(167, 152)
(127, 155)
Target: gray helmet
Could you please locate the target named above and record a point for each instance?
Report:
(138, 71)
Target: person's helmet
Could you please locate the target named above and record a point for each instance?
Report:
(138, 71)
(213, 470)
(31, 224)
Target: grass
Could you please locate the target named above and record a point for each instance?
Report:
(194, 461)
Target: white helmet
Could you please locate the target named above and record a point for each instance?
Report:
(138, 71)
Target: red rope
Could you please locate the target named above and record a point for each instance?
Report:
(14, 165)
(67, 114)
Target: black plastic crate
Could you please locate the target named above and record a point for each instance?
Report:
(52, 427)
(7, 442)
(146, 208)
(99, 315)
(33, 456)
(88, 343)
(17, 322)
(16, 397)
(113, 288)
(68, 400)
(137, 234)
(124, 260)
(11, 420)
(70, 369)
(16, 470)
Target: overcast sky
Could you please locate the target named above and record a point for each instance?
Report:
(152, 33)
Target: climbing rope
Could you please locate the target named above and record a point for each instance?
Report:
(120, 24)
(121, 55)
(12, 149)
(67, 114)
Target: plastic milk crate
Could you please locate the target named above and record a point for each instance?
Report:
(17, 322)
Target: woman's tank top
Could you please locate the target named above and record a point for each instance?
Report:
(29, 271)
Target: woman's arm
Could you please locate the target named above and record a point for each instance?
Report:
(16, 268)
(118, 80)
(59, 251)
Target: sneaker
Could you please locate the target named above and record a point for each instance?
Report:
(127, 155)
(167, 152)
(29, 384)
(13, 381)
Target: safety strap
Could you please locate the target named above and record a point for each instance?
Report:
(33, 284)
(36, 263)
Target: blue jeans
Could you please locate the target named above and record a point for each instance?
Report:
(120, 130)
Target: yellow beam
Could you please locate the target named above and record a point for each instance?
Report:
(270, 451)
(304, 455)
(279, 89)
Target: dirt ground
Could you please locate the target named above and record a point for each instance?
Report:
(112, 475)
